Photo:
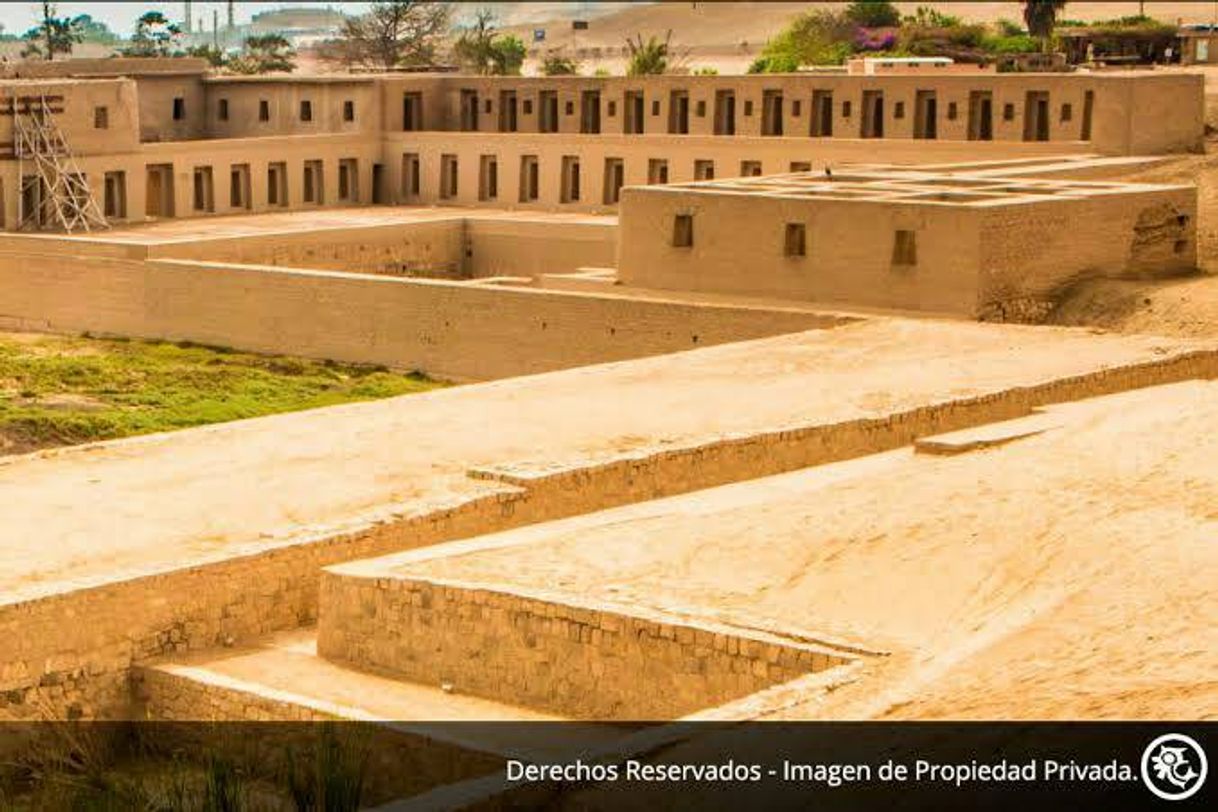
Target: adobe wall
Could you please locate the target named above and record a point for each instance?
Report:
(502, 247)
(775, 155)
(738, 247)
(326, 95)
(1117, 127)
(1030, 255)
(82, 669)
(447, 329)
(420, 248)
(578, 659)
(73, 103)
(449, 246)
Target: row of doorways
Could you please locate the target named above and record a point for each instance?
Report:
(160, 197)
(981, 113)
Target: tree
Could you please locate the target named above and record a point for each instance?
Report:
(265, 53)
(92, 30)
(1040, 16)
(873, 14)
(482, 49)
(815, 38)
(154, 36)
(55, 35)
(395, 33)
(558, 65)
(213, 55)
(649, 58)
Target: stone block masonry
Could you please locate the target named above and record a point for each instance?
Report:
(551, 652)
(69, 649)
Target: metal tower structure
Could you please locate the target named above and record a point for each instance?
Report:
(54, 192)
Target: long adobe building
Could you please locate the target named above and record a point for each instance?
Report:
(156, 139)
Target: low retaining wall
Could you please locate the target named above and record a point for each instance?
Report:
(71, 652)
(446, 329)
(582, 660)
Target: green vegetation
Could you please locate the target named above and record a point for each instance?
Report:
(830, 37)
(483, 49)
(60, 391)
(86, 766)
(557, 65)
(650, 58)
(873, 14)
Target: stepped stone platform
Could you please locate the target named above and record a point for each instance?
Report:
(252, 511)
(1105, 522)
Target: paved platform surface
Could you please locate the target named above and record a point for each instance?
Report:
(1067, 574)
(117, 510)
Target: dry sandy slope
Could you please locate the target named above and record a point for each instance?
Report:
(1070, 575)
(165, 501)
(702, 24)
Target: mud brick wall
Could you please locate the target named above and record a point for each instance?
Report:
(1030, 258)
(446, 329)
(578, 661)
(69, 653)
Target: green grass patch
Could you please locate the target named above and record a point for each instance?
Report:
(61, 391)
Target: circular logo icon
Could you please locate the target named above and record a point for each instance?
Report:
(1174, 767)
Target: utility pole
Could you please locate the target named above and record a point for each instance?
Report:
(215, 28)
(48, 11)
(232, 19)
(189, 27)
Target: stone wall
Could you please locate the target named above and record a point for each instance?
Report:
(69, 653)
(580, 660)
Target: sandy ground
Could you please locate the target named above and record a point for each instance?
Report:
(164, 501)
(729, 35)
(1066, 575)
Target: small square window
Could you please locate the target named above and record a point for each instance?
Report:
(1008, 112)
(101, 118)
(748, 107)
(570, 108)
(612, 109)
(348, 110)
(264, 110)
(846, 109)
(222, 112)
(905, 248)
(796, 108)
(795, 243)
(488, 106)
(951, 111)
(306, 110)
(683, 231)
(179, 108)
(528, 107)
(1067, 112)
(898, 110)
(655, 107)
(700, 109)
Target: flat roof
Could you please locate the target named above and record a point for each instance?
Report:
(930, 188)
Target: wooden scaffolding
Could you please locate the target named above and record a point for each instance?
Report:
(55, 196)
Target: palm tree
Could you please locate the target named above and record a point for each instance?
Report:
(1040, 16)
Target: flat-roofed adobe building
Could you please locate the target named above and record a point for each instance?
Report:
(162, 138)
(977, 246)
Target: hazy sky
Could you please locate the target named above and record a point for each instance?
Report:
(17, 17)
